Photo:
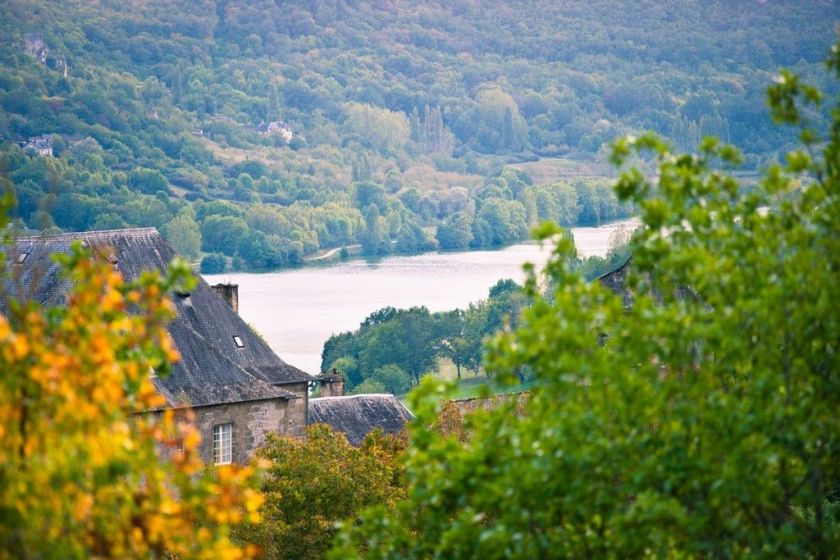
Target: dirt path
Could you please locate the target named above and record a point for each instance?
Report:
(330, 253)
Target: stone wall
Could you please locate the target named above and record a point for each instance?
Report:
(251, 421)
(298, 414)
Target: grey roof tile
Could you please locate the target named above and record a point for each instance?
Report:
(212, 369)
(358, 415)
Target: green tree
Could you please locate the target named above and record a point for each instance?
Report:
(392, 378)
(349, 368)
(183, 233)
(75, 212)
(380, 129)
(375, 238)
(501, 126)
(449, 329)
(499, 222)
(177, 85)
(313, 482)
(361, 168)
(417, 327)
(218, 208)
(698, 422)
(411, 239)
(369, 387)
(455, 232)
(261, 250)
(382, 344)
(276, 103)
(223, 234)
(367, 193)
(213, 264)
(148, 181)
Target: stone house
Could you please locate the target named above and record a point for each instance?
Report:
(41, 145)
(280, 128)
(617, 281)
(237, 386)
(356, 415)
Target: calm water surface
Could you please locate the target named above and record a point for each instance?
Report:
(298, 310)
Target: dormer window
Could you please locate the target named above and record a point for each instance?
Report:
(238, 341)
(22, 257)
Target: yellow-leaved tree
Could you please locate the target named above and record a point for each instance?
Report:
(80, 468)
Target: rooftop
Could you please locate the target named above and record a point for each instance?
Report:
(214, 368)
(358, 415)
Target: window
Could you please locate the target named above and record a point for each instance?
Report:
(22, 257)
(238, 341)
(178, 450)
(223, 444)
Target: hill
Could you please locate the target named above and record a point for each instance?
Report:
(393, 121)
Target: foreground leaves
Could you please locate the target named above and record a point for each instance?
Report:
(700, 422)
(80, 468)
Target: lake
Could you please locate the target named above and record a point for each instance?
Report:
(297, 310)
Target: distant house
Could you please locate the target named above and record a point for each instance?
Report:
(616, 280)
(357, 415)
(238, 387)
(280, 128)
(450, 421)
(41, 145)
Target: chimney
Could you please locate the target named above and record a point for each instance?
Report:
(229, 293)
(332, 384)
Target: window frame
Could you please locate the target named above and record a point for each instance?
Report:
(223, 444)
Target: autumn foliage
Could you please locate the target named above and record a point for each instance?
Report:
(313, 483)
(81, 474)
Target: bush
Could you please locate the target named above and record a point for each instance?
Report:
(214, 263)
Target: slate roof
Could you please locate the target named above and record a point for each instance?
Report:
(358, 415)
(212, 369)
(616, 281)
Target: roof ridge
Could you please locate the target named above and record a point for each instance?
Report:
(93, 233)
(355, 396)
(616, 268)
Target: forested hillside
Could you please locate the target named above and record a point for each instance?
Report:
(395, 124)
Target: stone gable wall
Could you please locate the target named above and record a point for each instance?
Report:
(252, 421)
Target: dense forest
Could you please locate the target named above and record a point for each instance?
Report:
(257, 133)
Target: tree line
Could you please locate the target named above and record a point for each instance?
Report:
(394, 348)
(77, 191)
